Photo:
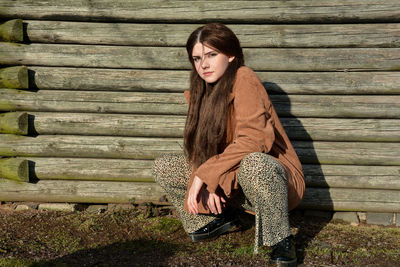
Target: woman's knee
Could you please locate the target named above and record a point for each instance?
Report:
(167, 166)
(262, 165)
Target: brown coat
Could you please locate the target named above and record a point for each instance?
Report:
(253, 126)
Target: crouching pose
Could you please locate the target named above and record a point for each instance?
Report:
(237, 154)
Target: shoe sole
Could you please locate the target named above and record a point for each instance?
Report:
(214, 234)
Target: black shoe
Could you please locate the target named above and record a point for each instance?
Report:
(220, 225)
(284, 253)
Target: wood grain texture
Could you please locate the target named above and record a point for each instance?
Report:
(346, 153)
(352, 176)
(349, 199)
(323, 11)
(327, 106)
(139, 34)
(50, 78)
(91, 169)
(80, 191)
(124, 192)
(276, 59)
(326, 129)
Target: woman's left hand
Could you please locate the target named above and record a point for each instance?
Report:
(193, 195)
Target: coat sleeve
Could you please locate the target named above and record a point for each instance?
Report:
(254, 132)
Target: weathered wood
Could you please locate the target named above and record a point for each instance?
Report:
(111, 79)
(347, 153)
(124, 170)
(108, 124)
(172, 126)
(14, 169)
(14, 123)
(178, 81)
(348, 199)
(348, 170)
(334, 129)
(14, 77)
(86, 101)
(364, 182)
(175, 103)
(352, 176)
(337, 176)
(345, 35)
(11, 31)
(323, 11)
(338, 199)
(276, 59)
(80, 191)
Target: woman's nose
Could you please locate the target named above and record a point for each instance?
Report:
(204, 63)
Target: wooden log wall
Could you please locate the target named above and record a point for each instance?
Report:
(91, 93)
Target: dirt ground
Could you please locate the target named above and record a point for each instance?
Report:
(153, 236)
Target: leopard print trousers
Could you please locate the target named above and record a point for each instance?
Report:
(264, 191)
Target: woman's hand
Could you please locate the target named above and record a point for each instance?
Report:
(193, 195)
(214, 203)
(212, 200)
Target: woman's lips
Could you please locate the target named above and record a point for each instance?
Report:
(207, 73)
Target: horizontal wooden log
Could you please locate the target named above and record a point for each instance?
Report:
(50, 78)
(124, 192)
(11, 31)
(347, 153)
(14, 169)
(175, 103)
(178, 81)
(86, 101)
(348, 199)
(14, 77)
(333, 176)
(125, 170)
(324, 11)
(14, 123)
(352, 176)
(334, 129)
(345, 35)
(49, 123)
(276, 59)
(80, 191)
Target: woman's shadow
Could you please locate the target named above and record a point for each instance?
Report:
(306, 222)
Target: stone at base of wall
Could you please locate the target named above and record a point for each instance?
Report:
(347, 216)
(60, 207)
(355, 218)
(381, 218)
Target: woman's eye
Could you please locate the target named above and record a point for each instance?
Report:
(213, 54)
(196, 59)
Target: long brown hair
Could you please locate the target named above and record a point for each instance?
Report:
(205, 129)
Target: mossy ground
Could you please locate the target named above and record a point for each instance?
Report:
(131, 238)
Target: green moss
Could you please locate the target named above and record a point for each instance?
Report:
(63, 242)
(15, 262)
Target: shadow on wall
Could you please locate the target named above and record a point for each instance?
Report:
(312, 169)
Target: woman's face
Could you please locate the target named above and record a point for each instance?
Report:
(209, 63)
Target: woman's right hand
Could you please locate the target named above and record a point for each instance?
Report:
(214, 203)
(193, 195)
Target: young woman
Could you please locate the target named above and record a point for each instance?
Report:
(237, 154)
